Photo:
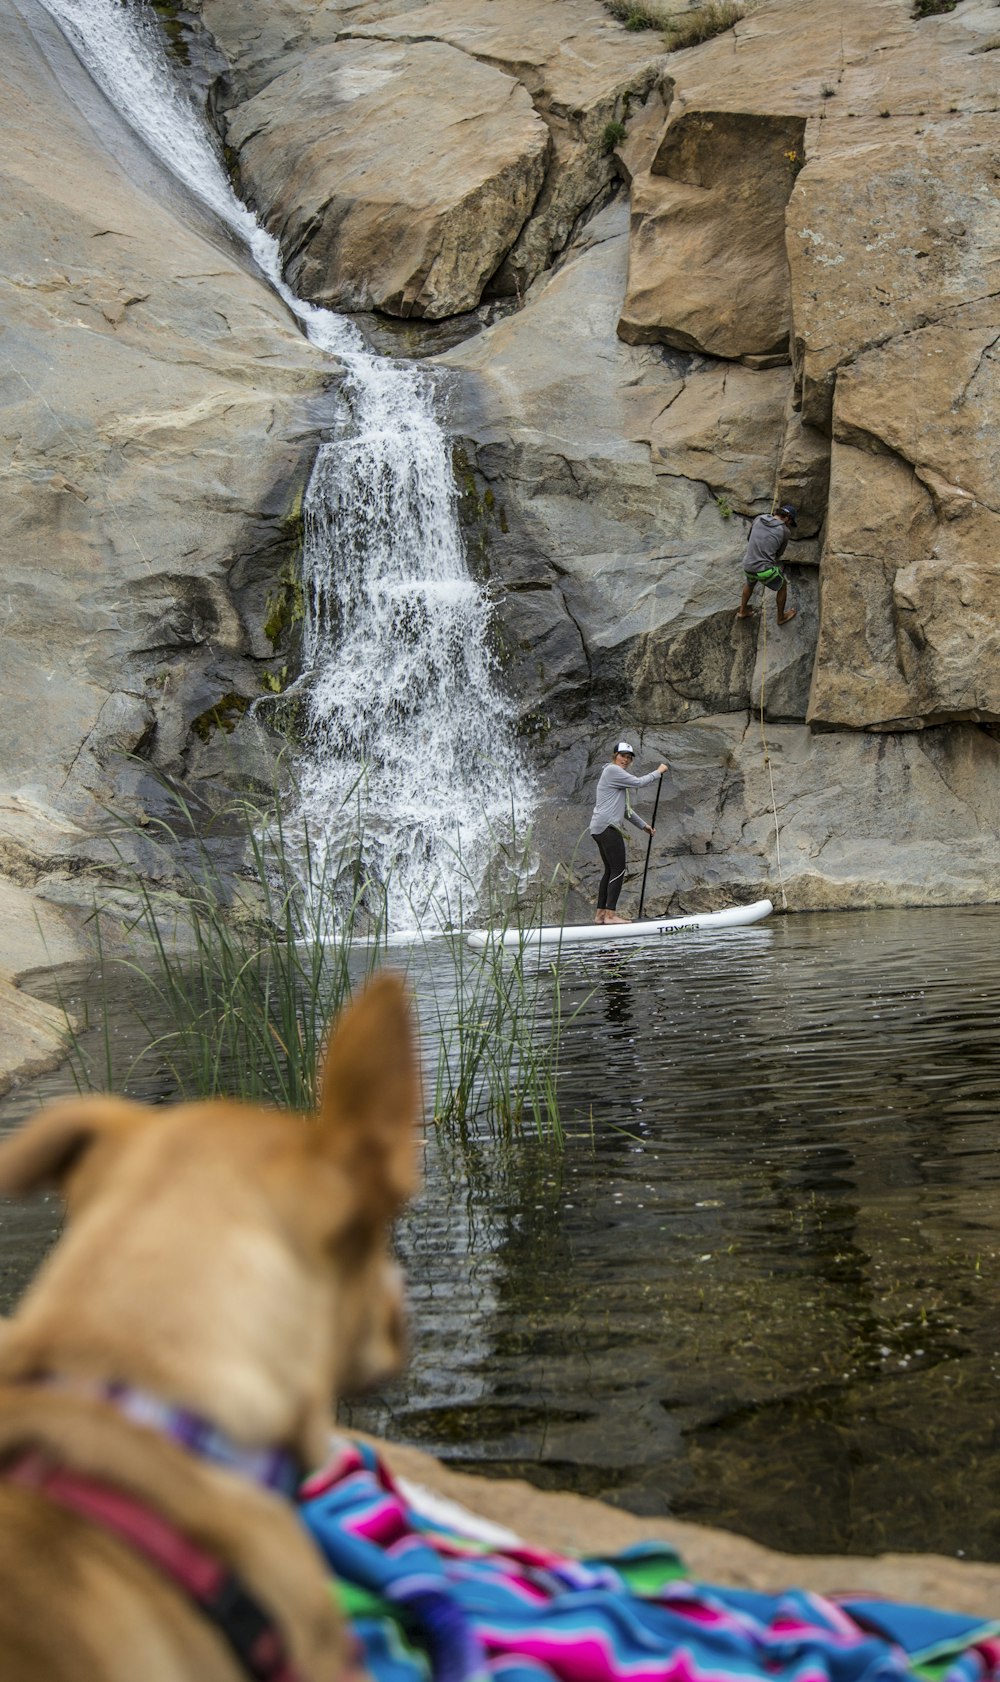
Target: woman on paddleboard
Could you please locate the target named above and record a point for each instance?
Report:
(611, 806)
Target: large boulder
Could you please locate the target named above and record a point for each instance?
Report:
(912, 563)
(583, 72)
(461, 157)
(708, 269)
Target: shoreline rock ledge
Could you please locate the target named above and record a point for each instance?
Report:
(576, 1524)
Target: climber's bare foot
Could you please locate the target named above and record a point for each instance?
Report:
(783, 618)
(747, 615)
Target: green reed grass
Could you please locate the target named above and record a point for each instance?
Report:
(240, 976)
(500, 1026)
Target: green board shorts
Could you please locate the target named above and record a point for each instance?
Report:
(771, 577)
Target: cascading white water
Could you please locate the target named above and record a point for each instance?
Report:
(122, 48)
(411, 738)
(420, 724)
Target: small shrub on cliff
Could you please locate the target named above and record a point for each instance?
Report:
(614, 134)
(701, 24)
(638, 14)
(931, 8)
(681, 30)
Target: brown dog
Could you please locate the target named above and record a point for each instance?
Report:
(224, 1269)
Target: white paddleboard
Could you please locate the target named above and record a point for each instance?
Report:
(734, 917)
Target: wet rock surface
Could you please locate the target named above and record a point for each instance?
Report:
(158, 410)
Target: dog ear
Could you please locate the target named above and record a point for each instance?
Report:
(44, 1151)
(370, 1100)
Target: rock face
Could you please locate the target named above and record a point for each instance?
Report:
(459, 142)
(877, 281)
(140, 354)
(622, 576)
(727, 428)
(488, 124)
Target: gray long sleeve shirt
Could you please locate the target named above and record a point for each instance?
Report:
(612, 792)
(767, 543)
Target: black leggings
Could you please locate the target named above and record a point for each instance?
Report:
(611, 846)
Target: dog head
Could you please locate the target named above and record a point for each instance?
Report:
(234, 1259)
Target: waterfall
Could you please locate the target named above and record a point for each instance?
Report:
(411, 739)
(407, 703)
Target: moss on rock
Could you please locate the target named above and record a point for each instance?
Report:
(224, 714)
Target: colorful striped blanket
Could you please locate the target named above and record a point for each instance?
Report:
(430, 1604)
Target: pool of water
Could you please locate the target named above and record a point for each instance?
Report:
(757, 1282)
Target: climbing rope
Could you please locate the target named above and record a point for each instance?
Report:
(763, 743)
(767, 760)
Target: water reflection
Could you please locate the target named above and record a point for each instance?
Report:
(758, 1286)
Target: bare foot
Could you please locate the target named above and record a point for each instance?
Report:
(747, 615)
(601, 916)
(783, 618)
(613, 917)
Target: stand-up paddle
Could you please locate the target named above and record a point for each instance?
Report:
(649, 848)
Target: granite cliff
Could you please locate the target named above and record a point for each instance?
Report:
(760, 266)
(658, 287)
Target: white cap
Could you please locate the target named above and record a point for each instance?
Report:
(625, 747)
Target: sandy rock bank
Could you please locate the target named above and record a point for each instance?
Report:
(574, 1524)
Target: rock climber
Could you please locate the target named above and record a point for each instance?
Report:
(767, 543)
(611, 806)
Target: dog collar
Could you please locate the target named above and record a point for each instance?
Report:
(219, 1594)
(271, 1468)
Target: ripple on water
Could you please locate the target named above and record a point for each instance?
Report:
(759, 1284)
